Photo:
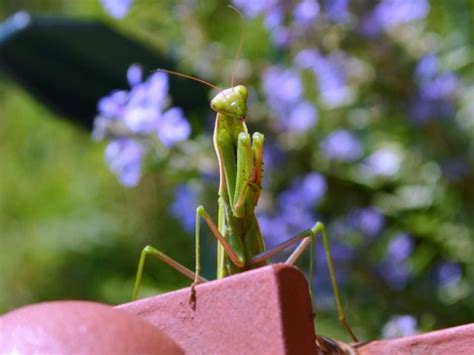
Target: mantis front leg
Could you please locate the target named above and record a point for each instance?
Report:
(306, 238)
(149, 250)
(233, 251)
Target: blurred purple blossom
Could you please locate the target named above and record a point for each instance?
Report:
(302, 117)
(134, 74)
(342, 255)
(384, 162)
(330, 73)
(113, 105)
(336, 10)
(427, 66)
(294, 209)
(173, 127)
(124, 157)
(448, 273)
(395, 269)
(141, 119)
(436, 90)
(132, 118)
(184, 206)
(272, 229)
(399, 326)
(341, 145)
(305, 12)
(440, 87)
(370, 221)
(399, 248)
(273, 156)
(304, 193)
(306, 58)
(117, 8)
(389, 14)
(282, 86)
(284, 91)
(254, 8)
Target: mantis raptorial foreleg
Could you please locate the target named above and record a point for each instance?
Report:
(306, 238)
(149, 250)
(232, 251)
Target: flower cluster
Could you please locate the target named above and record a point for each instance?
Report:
(294, 209)
(341, 145)
(184, 206)
(399, 326)
(117, 8)
(135, 120)
(436, 89)
(389, 14)
(284, 91)
(395, 269)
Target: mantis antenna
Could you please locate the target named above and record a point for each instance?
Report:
(242, 36)
(191, 78)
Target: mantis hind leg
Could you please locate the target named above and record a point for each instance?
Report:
(306, 238)
(149, 250)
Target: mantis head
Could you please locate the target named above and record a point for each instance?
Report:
(231, 102)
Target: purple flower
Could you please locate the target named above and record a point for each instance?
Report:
(124, 157)
(117, 8)
(302, 117)
(284, 91)
(336, 10)
(273, 156)
(307, 58)
(436, 90)
(448, 273)
(423, 110)
(341, 145)
(294, 209)
(390, 14)
(395, 275)
(282, 86)
(141, 119)
(138, 114)
(305, 12)
(254, 8)
(395, 269)
(427, 66)
(369, 221)
(113, 105)
(305, 193)
(399, 248)
(330, 73)
(341, 255)
(134, 74)
(152, 93)
(440, 87)
(332, 80)
(173, 127)
(383, 162)
(157, 89)
(399, 326)
(273, 228)
(184, 206)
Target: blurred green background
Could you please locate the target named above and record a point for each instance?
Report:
(69, 230)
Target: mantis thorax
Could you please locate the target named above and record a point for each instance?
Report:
(231, 102)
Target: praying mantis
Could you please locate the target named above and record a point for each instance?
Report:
(240, 241)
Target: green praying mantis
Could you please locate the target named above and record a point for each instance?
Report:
(240, 241)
